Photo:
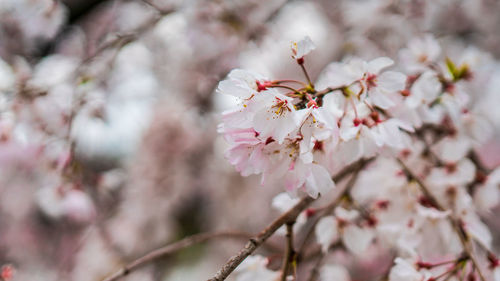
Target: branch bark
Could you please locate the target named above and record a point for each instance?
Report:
(289, 252)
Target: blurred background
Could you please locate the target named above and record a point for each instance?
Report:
(108, 117)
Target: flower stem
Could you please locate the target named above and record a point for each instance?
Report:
(307, 75)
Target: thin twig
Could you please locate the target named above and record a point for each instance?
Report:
(159, 9)
(289, 252)
(474, 157)
(457, 226)
(307, 75)
(172, 248)
(290, 215)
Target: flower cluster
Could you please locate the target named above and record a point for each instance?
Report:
(302, 134)
(424, 194)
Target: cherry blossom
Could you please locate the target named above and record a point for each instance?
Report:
(405, 271)
(342, 225)
(255, 268)
(302, 48)
(421, 53)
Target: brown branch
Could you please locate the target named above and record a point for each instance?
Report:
(474, 157)
(172, 248)
(290, 215)
(289, 252)
(457, 226)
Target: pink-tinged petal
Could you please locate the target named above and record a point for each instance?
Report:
(237, 118)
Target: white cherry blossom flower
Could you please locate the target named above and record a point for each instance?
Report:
(382, 86)
(255, 268)
(276, 118)
(404, 270)
(357, 239)
(327, 232)
(424, 90)
(241, 83)
(302, 48)
(341, 226)
(311, 177)
(318, 124)
(421, 52)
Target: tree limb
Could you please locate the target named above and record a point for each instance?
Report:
(172, 248)
(290, 215)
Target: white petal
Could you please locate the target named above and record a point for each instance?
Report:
(477, 229)
(283, 202)
(303, 47)
(404, 271)
(391, 81)
(486, 196)
(320, 181)
(347, 215)
(334, 273)
(381, 99)
(357, 239)
(327, 232)
(376, 65)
